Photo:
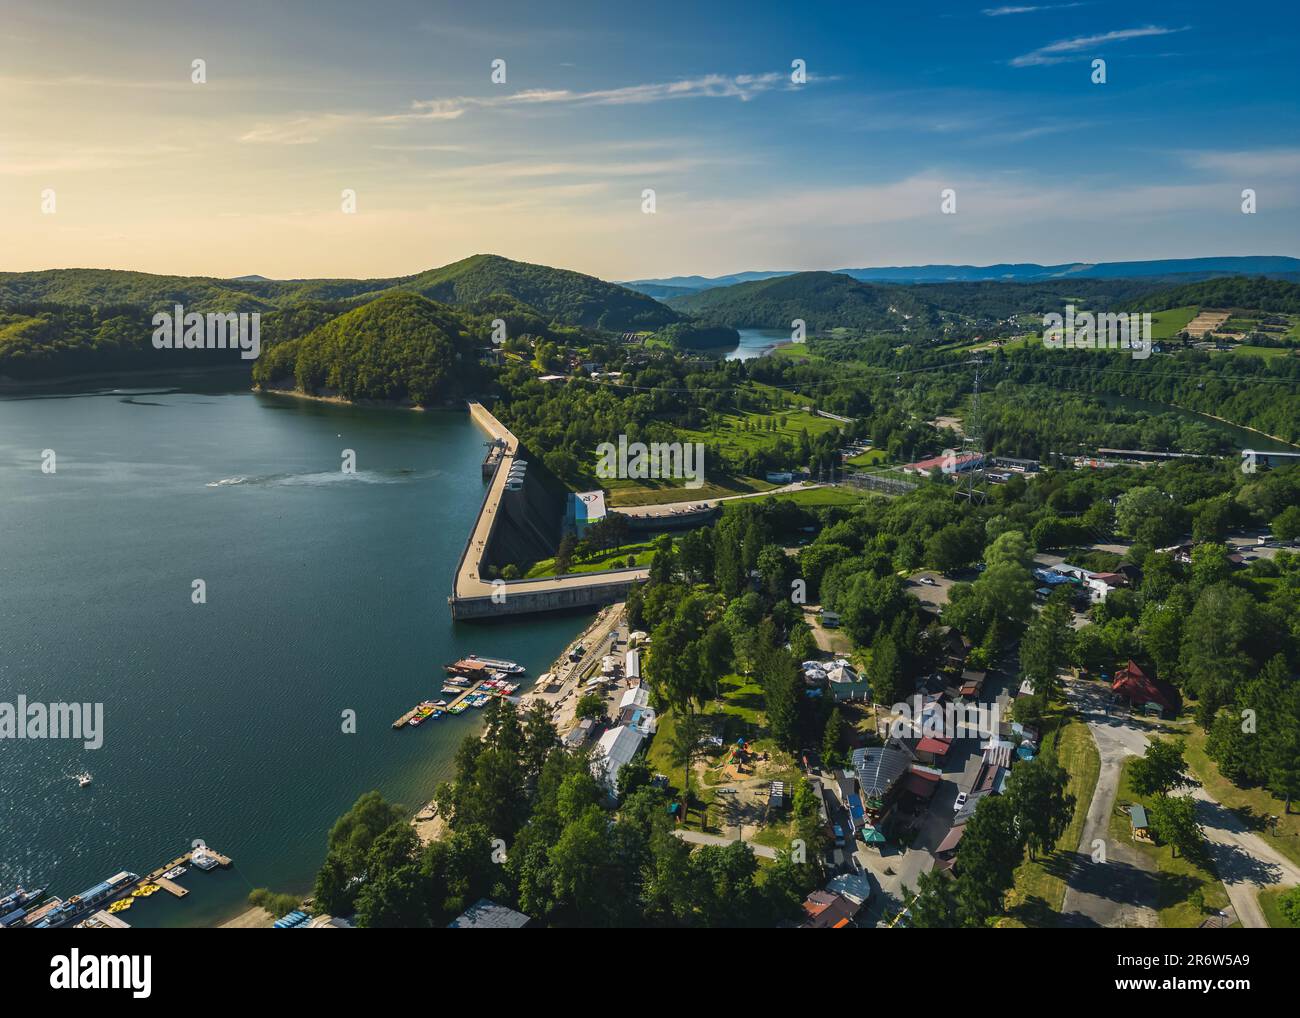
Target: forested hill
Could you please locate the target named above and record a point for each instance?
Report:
(826, 300)
(400, 347)
(1255, 292)
(558, 295)
(823, 300)
(564, 296)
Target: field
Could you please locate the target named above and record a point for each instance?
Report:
(1270, 903)
(824, 496)
(615, 558)
(1166, 324)
(633, 493)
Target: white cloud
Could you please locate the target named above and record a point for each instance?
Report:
(1065, 49)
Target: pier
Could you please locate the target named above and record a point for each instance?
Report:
(474, 597)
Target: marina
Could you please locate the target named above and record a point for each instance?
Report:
(466, 693)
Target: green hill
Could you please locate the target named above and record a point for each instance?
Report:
(557, 295)
(823, 300)
(399, 347)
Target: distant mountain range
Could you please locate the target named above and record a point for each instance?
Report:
(1183, 269)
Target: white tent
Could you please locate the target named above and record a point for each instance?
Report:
(632, 667)
(615, 748)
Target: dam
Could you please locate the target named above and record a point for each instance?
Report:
(513, 514)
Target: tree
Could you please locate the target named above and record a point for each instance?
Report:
(1045, 648)
(933, 906)
(991, 849)
(592, 705)
(1161, 770)
(683, 748)
(1043, 807)
(1286, 524)
(1173, 821)
(889, 684)
(564, 554)
(1138, 505)
(832, 738)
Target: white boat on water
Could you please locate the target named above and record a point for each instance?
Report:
(174, 872)
(84, 778)
(203, 859)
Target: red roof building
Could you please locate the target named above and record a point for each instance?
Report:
(1134, 685)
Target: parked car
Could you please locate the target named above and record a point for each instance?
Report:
(959, 802)
(839, 836)
(929, 581)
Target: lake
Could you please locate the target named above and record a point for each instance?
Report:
(326, 592)
(757, 342)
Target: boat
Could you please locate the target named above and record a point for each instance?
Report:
(203, 859)
(20, 898)
(122, 905)
(174, 872)
(440, 703)
(451, 690)
(84, 778)
(80, 904)
(475, 666)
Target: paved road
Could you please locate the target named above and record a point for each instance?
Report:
(1121, 890)
(1246, 861)
(1105, 895)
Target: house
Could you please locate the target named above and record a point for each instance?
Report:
(1133, 685)
(486, 914)
(932, 749)
(635, 712)
(579, 734)
(879, 770)
(946, 854)
(824, 910)
(613, 751)
(920, 782)
(972, 681)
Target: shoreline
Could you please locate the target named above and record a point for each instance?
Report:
(429, 826)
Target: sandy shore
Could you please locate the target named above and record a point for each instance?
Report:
(253, 919)
(371, 404)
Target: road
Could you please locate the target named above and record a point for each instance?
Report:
(1122, 889)
(1122, 892)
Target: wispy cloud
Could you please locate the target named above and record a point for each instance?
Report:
(308, 129)
(1002, 12)
(1065, 49)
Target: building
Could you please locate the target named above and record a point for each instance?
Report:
(879, 770)
(579, 734)
(945, 464)
(486, 914)
(632, 666)
(825, 910)
(613, 751)
(1133, 685)
(582, 509)
(634, 710)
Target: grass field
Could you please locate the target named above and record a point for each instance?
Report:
(1179, 876)
(1267, 352)
(632, 493)
(615, 558)
(1166, 324)
(821, 496)
(731, 436)
(1039, 890)
(871, 456)
(1271, 904)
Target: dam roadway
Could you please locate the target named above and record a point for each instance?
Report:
(474, 597)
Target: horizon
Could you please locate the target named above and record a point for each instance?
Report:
(152, 171)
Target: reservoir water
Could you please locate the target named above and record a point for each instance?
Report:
(757, 342)
(326, 592)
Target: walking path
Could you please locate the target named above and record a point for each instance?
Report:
(696, 838)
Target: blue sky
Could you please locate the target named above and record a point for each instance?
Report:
(394, 100)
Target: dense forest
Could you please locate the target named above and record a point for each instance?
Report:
(399, 347)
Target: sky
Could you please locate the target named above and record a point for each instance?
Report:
(112, 155)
